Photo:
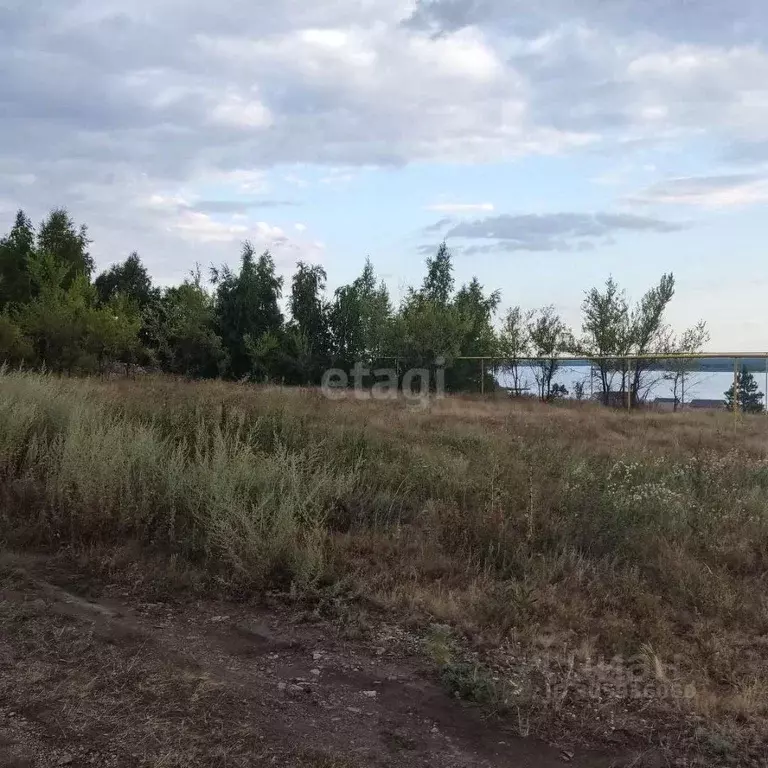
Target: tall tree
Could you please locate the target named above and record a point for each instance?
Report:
(128, 278)
(428, 326)
(347, 328)
(59, 319)
(68, 244)
(15, 250)
(478, 340)
(186, 331)
(678, 368)
(648, 332)
(309, 313)
(514, 345)
(112, 332)
(550, 337)
(607, 331)
(375, 313)
(438, 283)
(745, 397)
(613, 331)
(247, 308)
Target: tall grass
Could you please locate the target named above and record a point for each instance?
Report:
(513, 520)
(76, 468)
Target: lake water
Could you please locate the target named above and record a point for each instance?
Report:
(698, 385)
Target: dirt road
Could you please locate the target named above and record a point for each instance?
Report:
(123, 682)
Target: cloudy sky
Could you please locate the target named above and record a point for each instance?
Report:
(552, 142)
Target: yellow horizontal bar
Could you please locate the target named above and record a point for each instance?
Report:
(587, 358)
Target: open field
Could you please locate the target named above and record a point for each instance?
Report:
(591, 579)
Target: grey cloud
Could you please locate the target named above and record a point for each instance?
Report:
(236, 206)
(688, 20)
(105, 103)
(554, 231)
(628, 70)
(439, 225)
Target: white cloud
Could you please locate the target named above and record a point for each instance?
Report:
(724, 191)
(460, 207)
(108, 104)
(240, 112)
(202, 228)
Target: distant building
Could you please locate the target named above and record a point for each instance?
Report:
(706, 405)
(665, 404)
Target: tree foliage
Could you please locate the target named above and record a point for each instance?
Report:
(514, 345)
(744, 394)
(247, 311)
(613, 329)
(252, 323)
(16, 248)
(550, 337)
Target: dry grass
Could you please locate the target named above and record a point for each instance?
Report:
(549, 528)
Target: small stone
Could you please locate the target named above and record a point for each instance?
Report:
(370, 694)
(281, 686)
(355, 710)
(317, 655)
(315, 672)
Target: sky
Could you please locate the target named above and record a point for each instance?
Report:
(551, 143)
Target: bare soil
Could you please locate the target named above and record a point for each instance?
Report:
(95, 675)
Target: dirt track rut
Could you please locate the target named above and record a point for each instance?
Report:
(118, 682)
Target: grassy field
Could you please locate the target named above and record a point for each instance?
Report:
(569, 566)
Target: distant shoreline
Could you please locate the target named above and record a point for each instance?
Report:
(752, 364)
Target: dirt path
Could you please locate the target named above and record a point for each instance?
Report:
(115, 682)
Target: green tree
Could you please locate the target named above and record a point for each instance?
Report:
(514, 345)
(438, 283)
(424, 332)
(375, 313)
(648, 333)
(427, 327)
(359, 319)
(128, 278)
(678, 368)
(747, 397)
(247, 310)
(112, 332)
(266, 355)
(185, 329)
(57, 320)
(61, 238)
(478, 338)
(309, 313)
(15, 347)
(298, 362)
(607, 331)
(15, 250)
(549, 337)
(612, 331)
(347, 330)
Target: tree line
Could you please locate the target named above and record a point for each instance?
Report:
(55, 314)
